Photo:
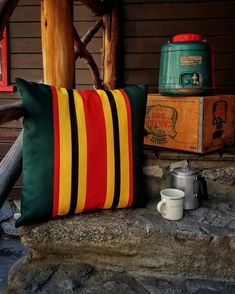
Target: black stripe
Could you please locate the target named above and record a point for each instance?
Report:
(74, 138)
(116, 149)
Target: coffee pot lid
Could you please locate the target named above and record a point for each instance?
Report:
(180, 171)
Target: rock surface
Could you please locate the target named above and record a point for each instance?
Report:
(137, 247)
(85, 279)
(11, 249)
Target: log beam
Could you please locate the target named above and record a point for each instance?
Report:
(91, 32)
(10, 168)
(83, 52)
(112, 47)
(11, 112)
(58, 42)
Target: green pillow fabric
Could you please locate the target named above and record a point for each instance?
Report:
(82, 150)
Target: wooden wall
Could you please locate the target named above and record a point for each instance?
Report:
(150, 24)
(147, 26)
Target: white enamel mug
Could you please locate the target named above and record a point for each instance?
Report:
(171, 205)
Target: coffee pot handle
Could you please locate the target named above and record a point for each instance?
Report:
(202, 188)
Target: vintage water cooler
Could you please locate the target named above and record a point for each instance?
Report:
(186, 66)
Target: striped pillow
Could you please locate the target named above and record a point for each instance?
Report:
(82, 150)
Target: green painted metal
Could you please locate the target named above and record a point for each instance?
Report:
(186, 68)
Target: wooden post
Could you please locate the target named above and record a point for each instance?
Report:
(111, 48)
(11, 112)
(57, 42)
(10, 168)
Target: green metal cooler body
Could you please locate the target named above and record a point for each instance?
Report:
(186, 68)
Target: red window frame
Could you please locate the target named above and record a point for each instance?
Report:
(4, 86)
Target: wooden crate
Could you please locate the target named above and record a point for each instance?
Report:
(195, 124)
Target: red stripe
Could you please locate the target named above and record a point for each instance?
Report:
(56, 151)
(96, 150)
(128, 108)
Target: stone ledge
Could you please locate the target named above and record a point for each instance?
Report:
(200, 245)
(225, 154)
(85, 279)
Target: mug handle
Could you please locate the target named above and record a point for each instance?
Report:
(160, 206)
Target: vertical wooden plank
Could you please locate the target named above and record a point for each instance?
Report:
(57, 42)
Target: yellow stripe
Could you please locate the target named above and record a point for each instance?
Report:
(65, 152)
(124, 150)
(110, 149)
(82, 152)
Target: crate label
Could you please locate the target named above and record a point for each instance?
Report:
(191, 60)
(219, 109)
(196, 124)
(160, 123)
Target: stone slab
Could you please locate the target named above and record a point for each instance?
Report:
(85, 279)
(201, 245)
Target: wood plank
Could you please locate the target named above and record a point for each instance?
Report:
(37, 2)
(26, 61)
(28, 2)
(35, 75)
(153, 45)
(144, 44)
(225, 60)
(152, 61)
(82, 13)
(32, 29)
(225, 77)
(25, 45)
(31, 13)
(8, 96)
(174, 10)
(24, 30)
(142, 61)
(15, 124)
(83, 76)
(4, 148)
(33, 61)
(26, 13)
(33, 45)
(134, 10)
(222, 43)
(8, 134)
(173, 27)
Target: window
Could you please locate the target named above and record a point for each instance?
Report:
(4, 66)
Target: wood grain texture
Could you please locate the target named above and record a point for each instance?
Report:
(57, 42)
(112, 58)
(11, 112)
(10, 168)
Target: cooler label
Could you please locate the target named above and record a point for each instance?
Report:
(191, 60)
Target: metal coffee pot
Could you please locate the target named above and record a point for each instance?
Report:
(194, 186)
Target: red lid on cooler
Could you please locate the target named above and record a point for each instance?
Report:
(187, 38)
